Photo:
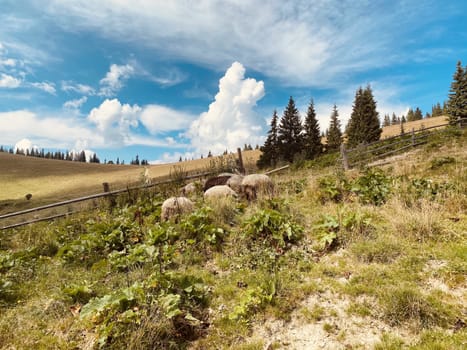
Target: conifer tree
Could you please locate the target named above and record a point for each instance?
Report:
(436, 110)
(417, 115)
(334, 133)
(270, 149)
(290, 132)
(312, 137)
(364, 124)
(410, 115)
(457, 103)
(387, 120)
(394, 119)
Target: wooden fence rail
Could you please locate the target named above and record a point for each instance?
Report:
(83, 199)
(364, 154)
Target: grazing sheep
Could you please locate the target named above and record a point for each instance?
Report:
(235, 182)
(215, 181)
(175, 206)
(219, 191)
(257, 184)
(188, 189)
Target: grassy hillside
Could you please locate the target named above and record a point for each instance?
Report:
(370, 259)
(55, 180)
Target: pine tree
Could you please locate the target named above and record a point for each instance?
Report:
(457, 103)
(334, 133)
(394, 119)
(364, 124)
(270, 149)
(410, 115)
(290, 132)
(418, 115)
(387, 120)
(312, 137)
(436, 110)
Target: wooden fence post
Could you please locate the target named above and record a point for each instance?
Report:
(413, 137)
(240, 161)
(112, 202)
(345, 160)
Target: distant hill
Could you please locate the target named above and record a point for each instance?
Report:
(58, 179)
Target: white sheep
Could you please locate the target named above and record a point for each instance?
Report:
(189, 189)
(257, 184)
(219, 191)
(235, 182)
(175, 206)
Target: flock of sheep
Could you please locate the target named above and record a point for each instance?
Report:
(225, 185)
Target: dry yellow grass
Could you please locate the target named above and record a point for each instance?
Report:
(395, 130)
(58, 180)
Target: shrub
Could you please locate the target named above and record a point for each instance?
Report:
(271, 225)
(373, 187)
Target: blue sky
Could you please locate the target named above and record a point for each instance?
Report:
(164, 79)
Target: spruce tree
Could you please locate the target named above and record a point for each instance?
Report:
(417, 115)
(290, 132)
(270, 150)
(394, 120)
(410, 115)
(387, 120)
(312, 137)
(334, 133)
(364, 124)
(457, 103)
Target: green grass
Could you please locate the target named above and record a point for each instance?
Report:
(389, 249)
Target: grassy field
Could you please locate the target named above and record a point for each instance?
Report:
(393, 130)
(365, 259)
(55, 180)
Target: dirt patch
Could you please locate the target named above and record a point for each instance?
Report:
(336, 329)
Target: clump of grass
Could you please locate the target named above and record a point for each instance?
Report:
(439, 162)
(405, 304)
(389, 342)
(316, 313)
(421, 224)
(381, 250)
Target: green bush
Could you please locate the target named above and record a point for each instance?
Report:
(373, 187)
(273, 226)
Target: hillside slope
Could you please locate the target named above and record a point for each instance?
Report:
(372, 259)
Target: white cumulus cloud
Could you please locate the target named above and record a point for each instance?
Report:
(114, 121)
(76, 103)
(158, 119)
(114, 79)
(8, 81)
(230, 121)
(23, 145)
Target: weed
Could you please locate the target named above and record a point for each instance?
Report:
(373, 187)
(274, 227)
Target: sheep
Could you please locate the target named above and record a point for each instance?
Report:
(215, 181)
(256, 184)
(188, 189)
(235, 182)
(219, 191)
(174, 206)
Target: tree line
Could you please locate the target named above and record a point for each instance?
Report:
(69, 156)
(288, 139)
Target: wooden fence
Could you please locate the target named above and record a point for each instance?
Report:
(106, 193)
(365, 154)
